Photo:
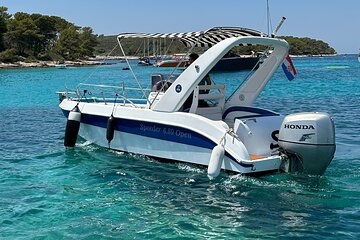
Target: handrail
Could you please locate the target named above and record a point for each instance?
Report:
(103, 93)
(109, 86)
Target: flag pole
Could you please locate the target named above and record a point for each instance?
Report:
(278, 27)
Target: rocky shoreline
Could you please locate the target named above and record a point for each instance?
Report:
(98, 60)
(50, 64)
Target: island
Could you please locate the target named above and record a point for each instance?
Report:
(299, 46)
(47, 40)
(36, 40)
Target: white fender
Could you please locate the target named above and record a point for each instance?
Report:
(74, 116)
(216, 160)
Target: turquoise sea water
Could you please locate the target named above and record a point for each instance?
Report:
(49, 192)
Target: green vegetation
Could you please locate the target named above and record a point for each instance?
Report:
(298, 46)
(308, 46)
(134, 47)
(32, 37)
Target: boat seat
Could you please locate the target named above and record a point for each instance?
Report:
(214, 110)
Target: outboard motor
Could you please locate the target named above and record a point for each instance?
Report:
(308, 141)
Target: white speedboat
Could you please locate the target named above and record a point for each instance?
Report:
(226, 132)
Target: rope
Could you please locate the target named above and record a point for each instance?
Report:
(246, 77)
(114, 106)
(132, 72)
(231, 132)
(90, 75)
(102, 61)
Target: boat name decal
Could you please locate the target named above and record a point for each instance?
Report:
(147, 128)
(165, 130)
(295, 126)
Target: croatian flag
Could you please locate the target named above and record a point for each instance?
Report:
(289, 68)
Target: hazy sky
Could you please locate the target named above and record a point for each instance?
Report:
(336, 22)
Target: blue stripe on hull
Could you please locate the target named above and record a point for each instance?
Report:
(257, 112)
(155, 130)
(152, 130)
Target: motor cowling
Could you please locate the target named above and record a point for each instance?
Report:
(308, 140)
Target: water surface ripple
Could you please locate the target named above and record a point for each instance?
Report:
(49, 192)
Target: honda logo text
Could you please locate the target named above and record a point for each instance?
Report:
(295, 126)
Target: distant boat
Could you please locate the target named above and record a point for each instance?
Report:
(177, 60)
(229, 63)
(144, 61)
(236, 63)
(60, 66)
(171, 63)
(359, 57)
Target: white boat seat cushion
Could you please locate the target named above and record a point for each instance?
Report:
(213, 111)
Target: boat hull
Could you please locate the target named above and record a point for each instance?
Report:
(171, 63)
(172, 141)
(229, 64)
(232, 64)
